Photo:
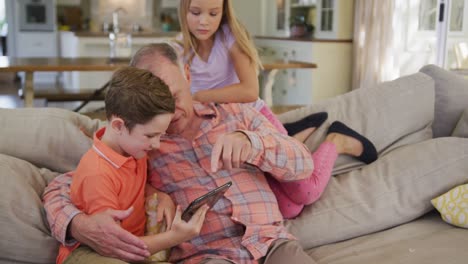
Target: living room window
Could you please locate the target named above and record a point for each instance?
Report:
(427, 15)
(457, 11)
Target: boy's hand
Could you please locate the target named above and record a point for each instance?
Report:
(187, 230)
(232, 150)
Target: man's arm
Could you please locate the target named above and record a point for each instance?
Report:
(60, 211)
(259, 143)
(283, 157)
(99, 231)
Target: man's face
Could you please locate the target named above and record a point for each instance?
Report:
(179, 86)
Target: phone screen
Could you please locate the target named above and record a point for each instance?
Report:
(209, 198)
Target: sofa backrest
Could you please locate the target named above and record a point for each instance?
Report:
(47, 137)
(391, 115)
(451, 99)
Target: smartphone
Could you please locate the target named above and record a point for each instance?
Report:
(209, 198)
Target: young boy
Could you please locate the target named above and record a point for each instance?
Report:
(113, 173)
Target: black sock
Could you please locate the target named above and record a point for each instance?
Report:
(313, 120)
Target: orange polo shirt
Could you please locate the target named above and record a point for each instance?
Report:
(105, 179)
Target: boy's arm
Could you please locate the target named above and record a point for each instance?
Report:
(179, 232)
(99, 231)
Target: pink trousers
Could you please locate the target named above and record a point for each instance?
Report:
(292, 196)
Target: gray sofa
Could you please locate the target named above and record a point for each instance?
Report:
(378, 213)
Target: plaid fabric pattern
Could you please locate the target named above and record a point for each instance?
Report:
(60, 211)
(243, 224)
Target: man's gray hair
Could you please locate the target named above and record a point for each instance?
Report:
(163, 49)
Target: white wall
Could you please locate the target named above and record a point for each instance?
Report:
(136, 11)
(251, 13)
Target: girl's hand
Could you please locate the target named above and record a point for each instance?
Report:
(166, 208)
(187, 230)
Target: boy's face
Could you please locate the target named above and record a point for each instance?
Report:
(143, 138)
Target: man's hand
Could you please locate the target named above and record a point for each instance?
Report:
(166, 209)
(103, 233)
(232, 150)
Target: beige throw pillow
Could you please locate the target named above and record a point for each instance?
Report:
(46, 137)
(25, 235)
(451, 98)
(395, 189)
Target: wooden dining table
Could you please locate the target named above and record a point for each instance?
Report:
(31, 65)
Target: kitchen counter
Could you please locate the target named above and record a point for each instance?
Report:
(142, 34)
(96, 44)
(305, 39)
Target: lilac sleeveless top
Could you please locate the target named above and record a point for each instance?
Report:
(218, 71)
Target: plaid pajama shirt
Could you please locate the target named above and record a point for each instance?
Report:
(244, 223)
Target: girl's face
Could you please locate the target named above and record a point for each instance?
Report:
(204, 17)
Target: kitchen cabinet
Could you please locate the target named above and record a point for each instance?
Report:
(37, 44)
(333, 19)
(75, 45)
(304, 86)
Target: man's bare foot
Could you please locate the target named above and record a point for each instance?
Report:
(304, 134)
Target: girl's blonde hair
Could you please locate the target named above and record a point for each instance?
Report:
(240, 33)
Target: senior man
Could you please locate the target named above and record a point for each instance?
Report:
(206, 146)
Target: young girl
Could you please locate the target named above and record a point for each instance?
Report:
(224, 67)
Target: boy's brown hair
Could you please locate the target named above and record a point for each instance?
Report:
(136, 96)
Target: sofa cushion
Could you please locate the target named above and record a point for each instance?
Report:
(395, 189)
(461, 129)
(425, 240)
(46, 137)
(453, 206)
(25, 235)
(386, 114)
(451, 98)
